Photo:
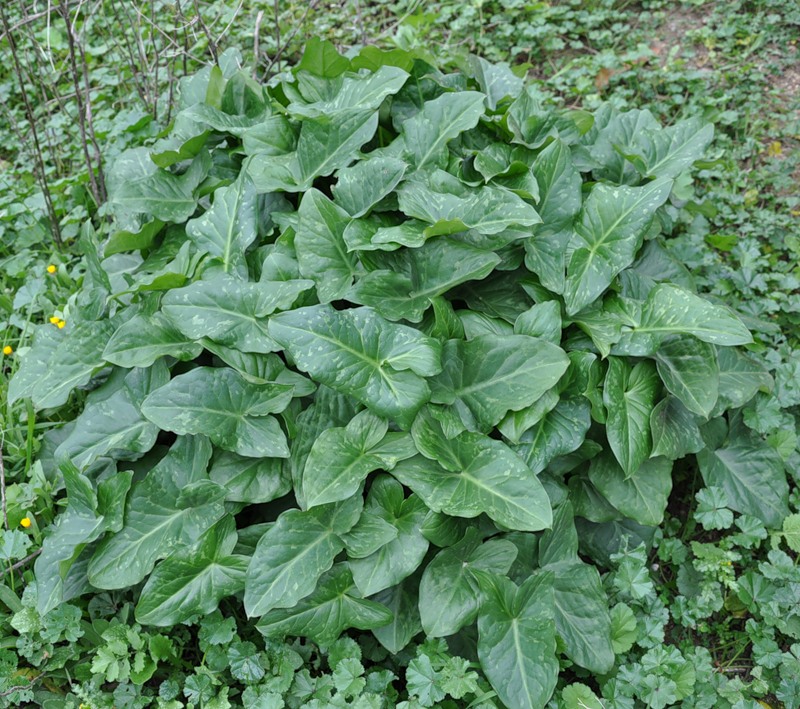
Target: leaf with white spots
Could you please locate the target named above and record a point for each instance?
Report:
(229, 311)
(608, 234)
(220, 403)
(357, 352)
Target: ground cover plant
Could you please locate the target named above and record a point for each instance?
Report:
(704, 610)
(366, 350)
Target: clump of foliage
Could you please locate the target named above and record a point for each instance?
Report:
(381, 348)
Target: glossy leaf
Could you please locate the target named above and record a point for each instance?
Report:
(608, 233)
(341, 458)
(231, 312)
(321, 251)
(233, 412)
(400, 557)
(357, 352)
(171, 507)
(427, 134)
(113, 424)
(516, 640)
(472, 474)
(59, 361)
(193, 580)
(249, 480)
(230, 225)
(140, 341)
(488, 376)
(688, 367)
(751, 473)
(670, 310)
(292, 555)
(629, 395)
(362, 186)
(333, 607)
(560, 201)
(450, 206)
(449, 594)
(642, 496)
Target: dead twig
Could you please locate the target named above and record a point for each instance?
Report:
(38, 160)
(22, 562)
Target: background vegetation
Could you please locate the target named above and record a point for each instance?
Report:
(715, 596)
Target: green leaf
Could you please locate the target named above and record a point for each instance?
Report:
(642, 496)
(791, 532)
(579, 696)
(292, 555)
(370, 533)
(607, 236)
(750, 472)
(353, 91)
(360, 187)
(113, 424)
(558, 432)
(402, 601)
(341, 458)
(740, 377)
(472, 474)
(559, 203)
(59, 361)
(688, 367)
(170, 507)
(516, 641)
(162, 194)
(359, 353)
(434, 268)
(496, 80)
(195, 579)
(250, 480)
(426, 135)
(670, 310)
(81, 523)
(229, 226)
(333, 607)
(667, 152)
(449, 594)
(542, 321)
(398, 559)
(321, 251)
(581, 615)
(674, 429)
(488, 376)
(140, 341)
(629, 395)
(231, 312)
(324, 146)
(221, 403)
(450, 206)
(321, 58)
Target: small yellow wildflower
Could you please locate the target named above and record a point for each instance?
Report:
(51, 269)
(8, 349)
(61, 324)
(54, 320)
(25, 522)
(775, 149)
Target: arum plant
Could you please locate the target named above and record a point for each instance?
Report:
(383, 348)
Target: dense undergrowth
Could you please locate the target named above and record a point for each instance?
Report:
(702, 610)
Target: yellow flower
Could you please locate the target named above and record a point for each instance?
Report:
(8, 349)
(54, 320)
(25, 522)
(775, 149)
(51, 269)
(61, 324)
